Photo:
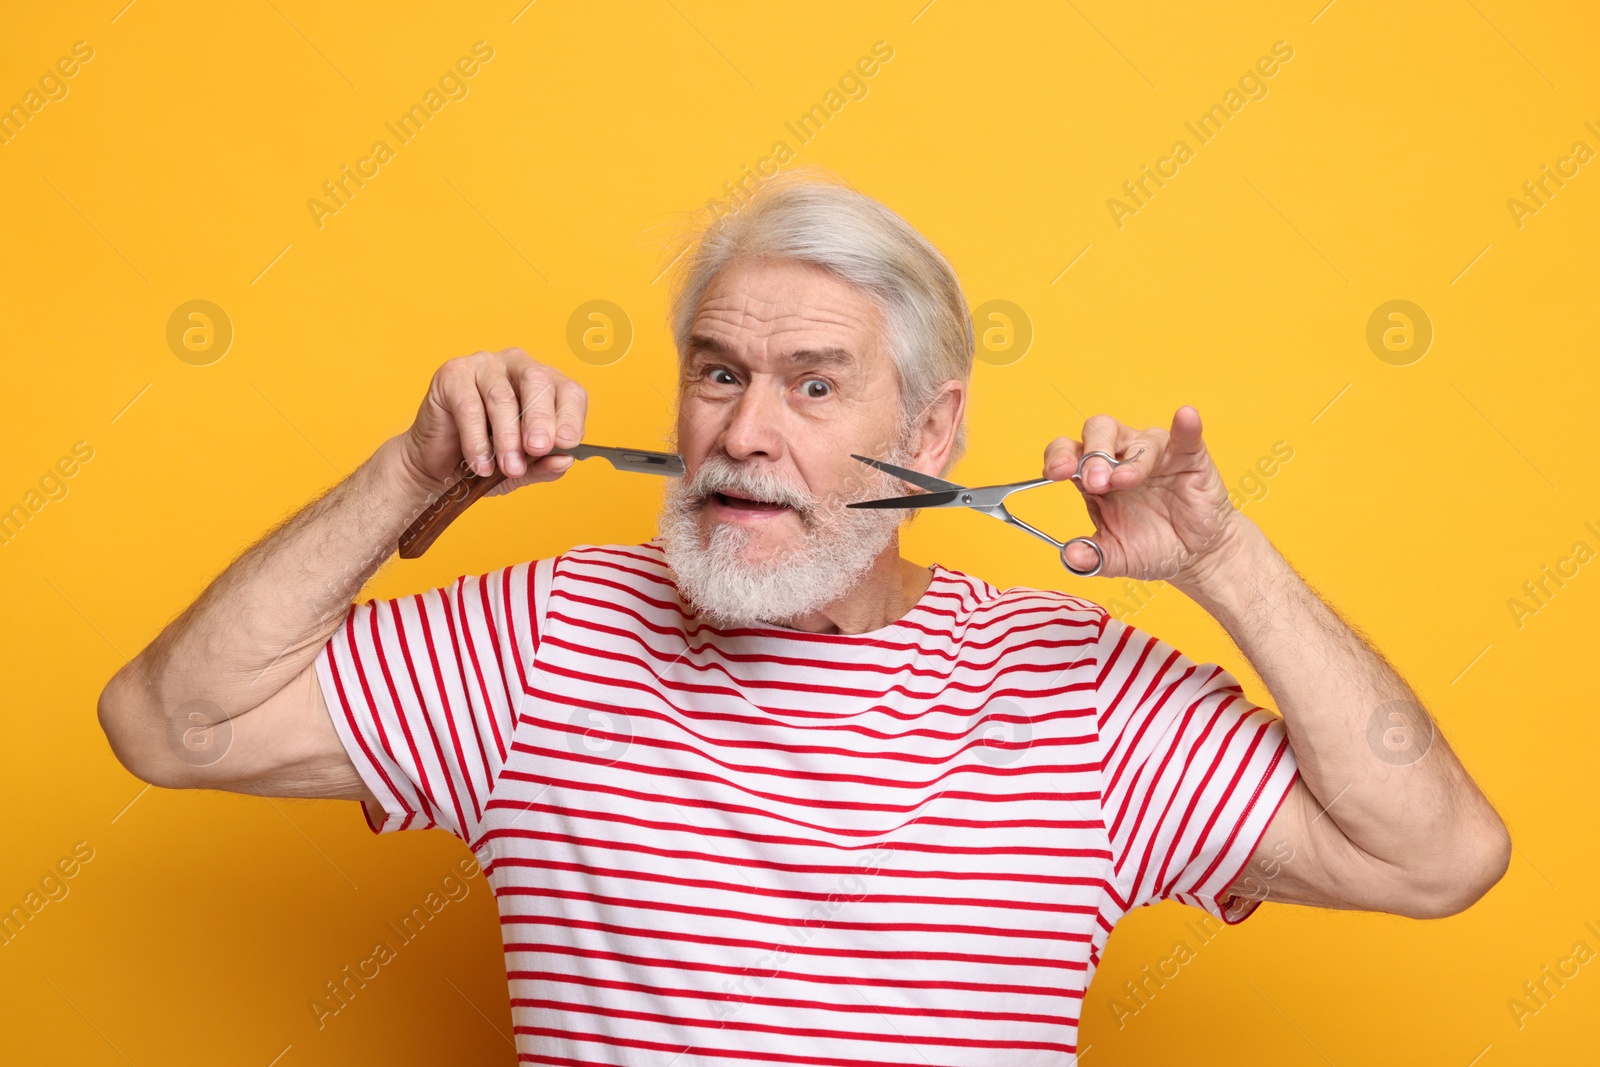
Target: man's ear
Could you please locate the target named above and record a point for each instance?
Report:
(935, 436)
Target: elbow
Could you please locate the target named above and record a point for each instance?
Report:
(115, 712)
(1474, 868)
(135, 731)
(1492, 858)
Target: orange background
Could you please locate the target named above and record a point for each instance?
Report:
(1421, 493)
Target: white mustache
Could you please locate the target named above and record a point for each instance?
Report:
(721, 476)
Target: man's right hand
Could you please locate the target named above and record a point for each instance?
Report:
(495, 409)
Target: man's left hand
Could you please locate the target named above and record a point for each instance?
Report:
(1165, 515)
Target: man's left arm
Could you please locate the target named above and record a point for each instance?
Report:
(1383, 817)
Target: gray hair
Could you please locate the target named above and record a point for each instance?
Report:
(813, 218)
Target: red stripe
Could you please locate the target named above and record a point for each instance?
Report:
(977, 958)
(812, 1032)
(1227, 752)
(1145, 781)
(486, 617)
(770, 721)
(1112, 660)
(945, 586)
(425, 803)
(1237, 775)
(566, 813)
(698, 1050)
(1190, 798)
(819, 727)
(946, 683)
(790, 1002)
(775, 865)
(973, 738)
(610, 901)
(656, 690)
(462, 636)
(712, 805)
(640, 625)
(1272, 816)
(809, 802)
(1149, 714)
(516, 645)
(969, 734)
(498, 612)
(349, 714)
(1024, 770)
(742, 1054)
(421, 708)
(624, 874)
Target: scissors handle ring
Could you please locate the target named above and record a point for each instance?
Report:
(1108, 457)
(1101, 562)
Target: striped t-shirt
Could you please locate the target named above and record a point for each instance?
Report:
(763, 845)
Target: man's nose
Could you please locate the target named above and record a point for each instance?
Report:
(754, 427)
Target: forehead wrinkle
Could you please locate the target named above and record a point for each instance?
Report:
(782, 319)
(808, 347)
(832, 304)
(840, 328)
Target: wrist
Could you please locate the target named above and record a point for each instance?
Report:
(402, 479)
(1237, 556)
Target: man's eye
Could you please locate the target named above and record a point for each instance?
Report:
(719, 370)
(826, 387)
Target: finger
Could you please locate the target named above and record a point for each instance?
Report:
(552, 467)
(1137, 457)
(500, 401)
(1061, 458)
(526, 377)
(572, 410)
(1186, 432)
(1101, 433)
(538, 388)
(543, 469)
(465, 404)
(1080, 557)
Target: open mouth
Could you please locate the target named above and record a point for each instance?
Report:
(740, 503)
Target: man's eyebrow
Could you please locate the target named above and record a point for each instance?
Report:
(830, 356)
(699, 343)
(833, 356)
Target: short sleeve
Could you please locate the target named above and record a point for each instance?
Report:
(425, 690)
(1192, 773)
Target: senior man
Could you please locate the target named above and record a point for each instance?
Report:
(760, 789)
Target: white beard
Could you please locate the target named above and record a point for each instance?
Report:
(732, 581)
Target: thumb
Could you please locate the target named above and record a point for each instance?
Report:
(544, 469)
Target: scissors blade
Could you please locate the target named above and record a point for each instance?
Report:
(943, 499)
(916, 478)
(991, 496)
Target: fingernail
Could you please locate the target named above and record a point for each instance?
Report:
(540, 439)
(1099, 477)
(511, 463)
(566, 436)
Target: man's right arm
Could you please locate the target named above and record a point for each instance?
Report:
(226, 696)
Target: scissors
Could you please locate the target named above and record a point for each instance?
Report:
(989, 499)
